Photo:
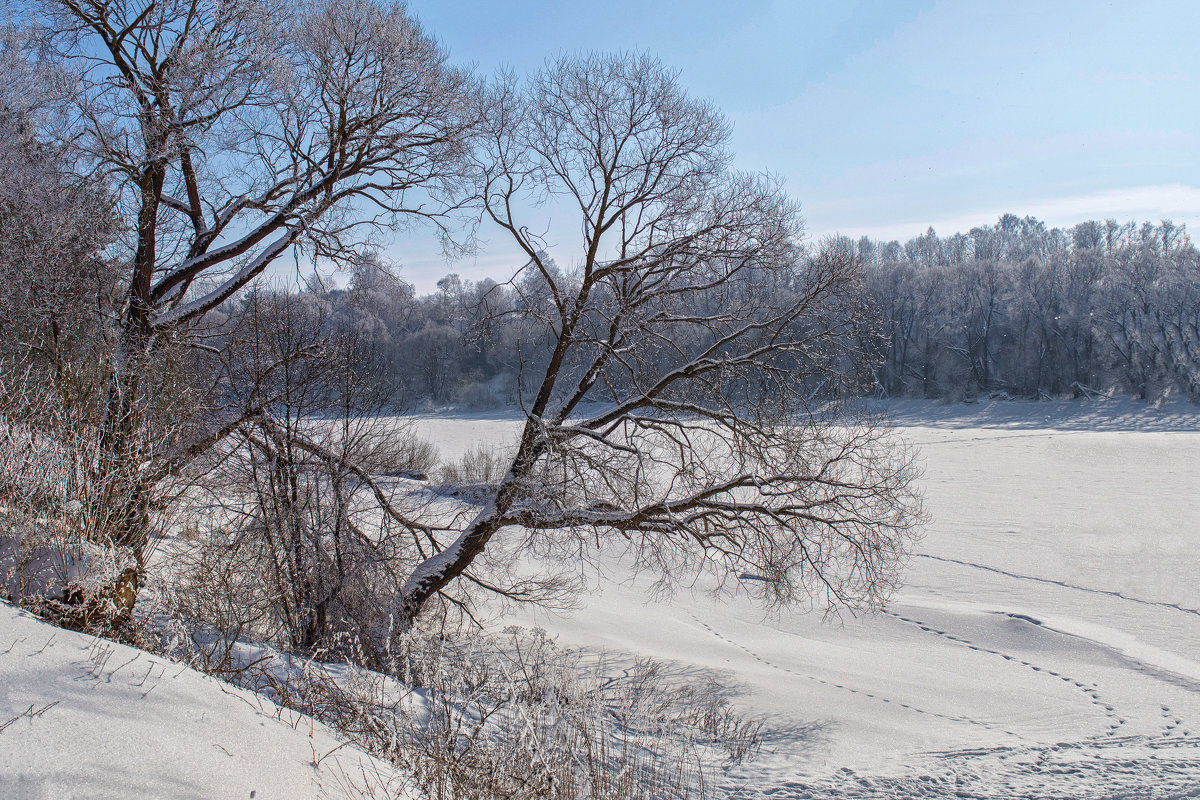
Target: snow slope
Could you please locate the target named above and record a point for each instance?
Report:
(88, 718)
(1046, 644)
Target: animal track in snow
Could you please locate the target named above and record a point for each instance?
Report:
(1063, 584)
(1115, 722)
(843, 687)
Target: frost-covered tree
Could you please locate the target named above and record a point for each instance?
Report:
(58, 292)
(55, 225)
(688, 340)
(1036, 312)
(233, 131)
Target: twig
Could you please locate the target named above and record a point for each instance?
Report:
(30, 713)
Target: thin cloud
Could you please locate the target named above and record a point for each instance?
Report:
(1176, 202)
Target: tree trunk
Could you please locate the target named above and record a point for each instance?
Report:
(125, 496)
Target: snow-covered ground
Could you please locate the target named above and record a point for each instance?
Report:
(1046, 643)
(85, 718)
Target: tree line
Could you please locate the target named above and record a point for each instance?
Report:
(1038, 312)
(1014, 308)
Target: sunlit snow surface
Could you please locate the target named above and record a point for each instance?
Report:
(1046, 642)
(85, 718)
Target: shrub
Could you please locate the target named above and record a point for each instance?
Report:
(481, 465)
(478, 717)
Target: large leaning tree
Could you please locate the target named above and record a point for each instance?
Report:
(236, 133)
(688, 343)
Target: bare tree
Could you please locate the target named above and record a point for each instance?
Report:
(689, 312)
(58, 288)
(232, 132)
(51, 320)
(296, 530)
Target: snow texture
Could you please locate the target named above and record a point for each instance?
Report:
(1046, 643)
(82, 717)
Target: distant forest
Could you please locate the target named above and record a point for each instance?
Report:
(1015, 308)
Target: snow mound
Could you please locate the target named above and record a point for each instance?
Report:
(82, 717)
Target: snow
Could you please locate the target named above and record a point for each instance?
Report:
(89, 718)
(1046, 642)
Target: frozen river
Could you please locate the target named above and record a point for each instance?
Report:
(1046, 642)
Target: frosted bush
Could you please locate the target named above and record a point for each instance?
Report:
(514, 716)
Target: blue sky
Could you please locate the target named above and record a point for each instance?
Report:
(887, 117)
